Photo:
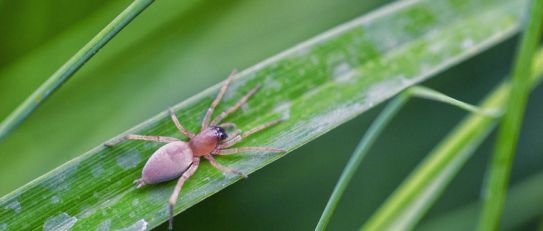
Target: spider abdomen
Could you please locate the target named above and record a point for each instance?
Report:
(167, 163)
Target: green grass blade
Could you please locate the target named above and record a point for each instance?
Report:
(318, 85)
(430, 94)
(361, 150)
(500, 169)
(71, 66)
(413, 198)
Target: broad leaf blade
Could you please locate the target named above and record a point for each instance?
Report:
(317, 85)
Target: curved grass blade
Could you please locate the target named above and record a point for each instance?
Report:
(509, 130)
(317, 85)
(71, 66)
(358, 155)
(375, 130)
(408, 204)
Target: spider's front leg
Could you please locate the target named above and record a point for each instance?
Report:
(238, 137)
(160, 139)
(217, 100)
(230, 151)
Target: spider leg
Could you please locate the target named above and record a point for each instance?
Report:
(228, 125)
(178, 186)
(229, 151)
(180, 127)
(207, 117)
(261, 127)
(236, 137)
(254, 130)
(161, 139)
(224, 168)
(236, 106)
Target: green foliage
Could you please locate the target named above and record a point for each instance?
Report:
(71, 66)
(177, 48)
(358, 155)
(410, 202)
(172, 51)
(524, 201)
(317, 85)
(510, 126)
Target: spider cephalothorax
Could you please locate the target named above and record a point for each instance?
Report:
(207, 140)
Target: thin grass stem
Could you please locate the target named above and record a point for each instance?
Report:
(71, 66)
(496, 185)
(427, 93)
(363, 146)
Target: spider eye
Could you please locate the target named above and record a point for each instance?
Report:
(221, 133)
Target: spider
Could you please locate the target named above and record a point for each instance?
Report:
(181, 159)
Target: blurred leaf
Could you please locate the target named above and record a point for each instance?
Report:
(524, 202)
(410, 202)
(318, 85)
(71, 66)
(47, 58)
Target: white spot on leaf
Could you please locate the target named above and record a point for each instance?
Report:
(61, 222)
(97, 170)
(234, 89)
(325, 121)
(343, 73)
(467, 43)
(270, 82)
(87, 212)
(437, 47)
(138, 226)
(129, 159)
(104, 226)
(283, 108)
(15, 205)
(384, 89)
(55, 199)
(62, 182)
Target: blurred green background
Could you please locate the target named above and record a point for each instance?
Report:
(178, 48)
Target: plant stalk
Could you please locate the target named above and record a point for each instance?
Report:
(365, 144)
(71, 66)
(500, 169)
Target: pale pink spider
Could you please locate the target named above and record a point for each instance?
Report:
(179, 158)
